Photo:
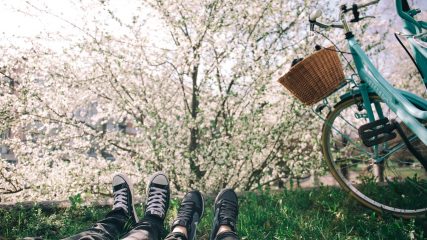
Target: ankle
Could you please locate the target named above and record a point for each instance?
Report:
(180, 229)
(223, 229)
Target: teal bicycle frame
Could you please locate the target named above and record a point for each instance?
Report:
(399, 101)
(414, 28)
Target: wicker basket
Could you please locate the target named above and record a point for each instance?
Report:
(315, 77)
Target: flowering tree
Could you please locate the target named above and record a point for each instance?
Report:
(194, 95)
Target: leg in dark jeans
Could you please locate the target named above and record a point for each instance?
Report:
(156, 206)
(111, 227)
(147, 229)
(119, 220)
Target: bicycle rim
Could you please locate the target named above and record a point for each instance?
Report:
(397, 184)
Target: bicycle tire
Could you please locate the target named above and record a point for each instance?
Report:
(398, 185)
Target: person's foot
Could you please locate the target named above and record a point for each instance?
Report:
(189, 214)
(226, 210)
(158, 195)
(123, 196)
(156, 207)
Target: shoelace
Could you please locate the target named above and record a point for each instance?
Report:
(120, 199)
(157, 201)
(186, 210)
(227, 210)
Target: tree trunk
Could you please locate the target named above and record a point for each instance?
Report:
(194, 131)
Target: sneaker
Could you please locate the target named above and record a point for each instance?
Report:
(190, 212)
(123, 196)
(156, 206)
(226, 210)
(158, 195)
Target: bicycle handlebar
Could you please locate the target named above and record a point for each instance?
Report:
(363, 5)
(313, 21)
(344, 9)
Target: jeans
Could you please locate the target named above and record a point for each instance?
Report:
(149, 228)
(110, 228)
(222, 236)
(117, 222)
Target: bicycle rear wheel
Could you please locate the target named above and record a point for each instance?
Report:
(395, 184)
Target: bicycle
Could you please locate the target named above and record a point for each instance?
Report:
(374, 139)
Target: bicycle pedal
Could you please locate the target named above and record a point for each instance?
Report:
(377, 132)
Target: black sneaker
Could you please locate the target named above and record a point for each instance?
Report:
(156, 206)
(123, 196)
(226, 210)
(158, 195)
(190, 212)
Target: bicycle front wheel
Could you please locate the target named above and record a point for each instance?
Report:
(385, 177)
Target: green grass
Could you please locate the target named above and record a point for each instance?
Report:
(324, 213)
